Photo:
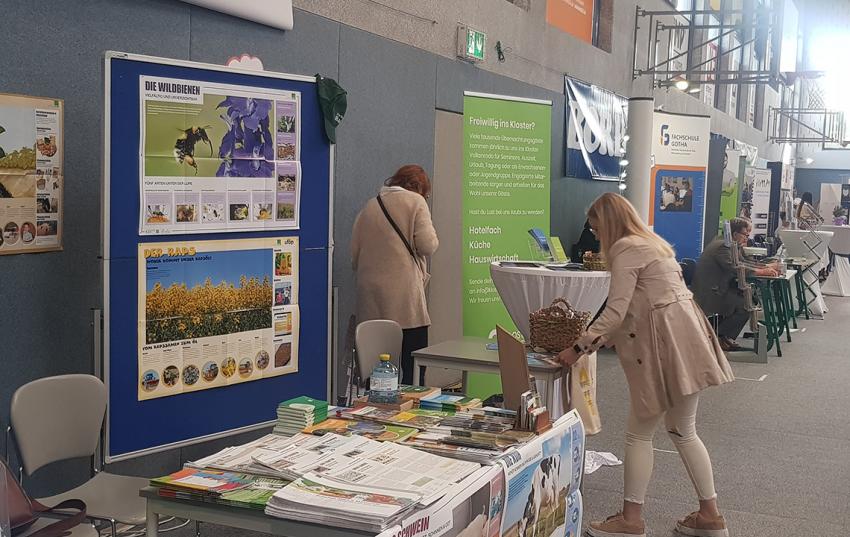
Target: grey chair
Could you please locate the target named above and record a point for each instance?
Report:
(373, 338)
(60, 418)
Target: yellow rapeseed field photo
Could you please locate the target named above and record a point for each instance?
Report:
(178, 312)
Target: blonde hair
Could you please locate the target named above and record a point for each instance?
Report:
(617, 218)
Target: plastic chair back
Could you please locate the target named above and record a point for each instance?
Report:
(373, 338)
(689, 267)
(57, 418)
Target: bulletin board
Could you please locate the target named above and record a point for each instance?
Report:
(143, 415)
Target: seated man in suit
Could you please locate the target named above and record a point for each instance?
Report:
(715, 284)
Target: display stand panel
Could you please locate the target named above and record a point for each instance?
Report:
(135, 425)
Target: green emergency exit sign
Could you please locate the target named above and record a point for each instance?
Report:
(472, 43)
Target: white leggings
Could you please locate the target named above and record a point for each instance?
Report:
(680, 421)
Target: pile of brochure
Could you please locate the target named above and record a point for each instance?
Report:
(355, 482)
(449, 402)
(295, 415)
(223, 488)
(322, 501)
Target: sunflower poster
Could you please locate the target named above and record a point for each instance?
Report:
(216, 313)
(218, 158)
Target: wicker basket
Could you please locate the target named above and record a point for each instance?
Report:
(557, 327)
(593, 261)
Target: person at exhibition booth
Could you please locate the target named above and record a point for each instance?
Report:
(807, 215)
(648, 312)
(715, 284)
(587, 242)
(391, 240)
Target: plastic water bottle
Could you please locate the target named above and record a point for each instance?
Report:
(383, 383)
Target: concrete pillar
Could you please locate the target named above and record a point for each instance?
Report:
(639, 154)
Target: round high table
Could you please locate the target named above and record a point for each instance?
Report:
(527, 289)
(838, 283)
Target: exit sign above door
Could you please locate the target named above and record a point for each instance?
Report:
(471, 43)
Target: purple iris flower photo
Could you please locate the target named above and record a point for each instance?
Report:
(247, 148)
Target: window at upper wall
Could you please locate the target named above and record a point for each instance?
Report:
(603, 24)
(591, 21)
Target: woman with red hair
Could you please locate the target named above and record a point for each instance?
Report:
(392, 238)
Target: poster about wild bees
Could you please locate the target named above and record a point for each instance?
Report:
(31, 174)
(218, 158)
(216, 313)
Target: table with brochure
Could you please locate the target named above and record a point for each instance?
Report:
(321, 482)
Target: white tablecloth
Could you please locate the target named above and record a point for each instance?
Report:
(524, 290)
(838, 283)
(795, 242)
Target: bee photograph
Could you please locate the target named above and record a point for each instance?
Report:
(226, 136)
(238, 211)
(212, 212)
(186, 212)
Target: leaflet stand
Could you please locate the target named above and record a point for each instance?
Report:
(758, 354)
(538, 253)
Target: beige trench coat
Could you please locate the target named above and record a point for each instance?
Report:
(664, 342)
(391, 283)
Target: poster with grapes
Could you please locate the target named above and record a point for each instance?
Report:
(218, 158)
(31, 174)
(216, 313)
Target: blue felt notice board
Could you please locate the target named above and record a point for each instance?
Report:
(138, 427)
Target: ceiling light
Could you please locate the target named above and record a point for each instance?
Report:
(626, 138)
(624, 162)
(624, 175)
(694, 90)
(622, 186)
(809, 160)
(682, 84)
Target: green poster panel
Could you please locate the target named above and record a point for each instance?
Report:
(730, 193)
(506, 174)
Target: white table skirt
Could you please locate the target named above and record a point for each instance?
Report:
(838, 283)
(525, 290)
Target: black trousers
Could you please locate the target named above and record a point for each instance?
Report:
(413, 339)
(731, 325)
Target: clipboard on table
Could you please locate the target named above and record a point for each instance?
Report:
(513, 368)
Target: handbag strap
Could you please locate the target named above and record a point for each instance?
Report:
(61, 527)
(14, 491)
(395, 227)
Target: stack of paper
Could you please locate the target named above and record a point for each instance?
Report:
(449, 402)
(322, 501)
(415, 393)
(295, 415)
(195, 483)
(417, 418)
(241, 459)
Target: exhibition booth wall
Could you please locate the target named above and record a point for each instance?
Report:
(394, 94)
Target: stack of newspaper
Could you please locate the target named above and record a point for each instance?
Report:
(322, 501)
(366, 485)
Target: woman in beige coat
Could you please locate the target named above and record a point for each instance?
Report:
(391, 278)
(669, 354)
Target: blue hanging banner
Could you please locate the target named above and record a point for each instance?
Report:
(596, 124)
